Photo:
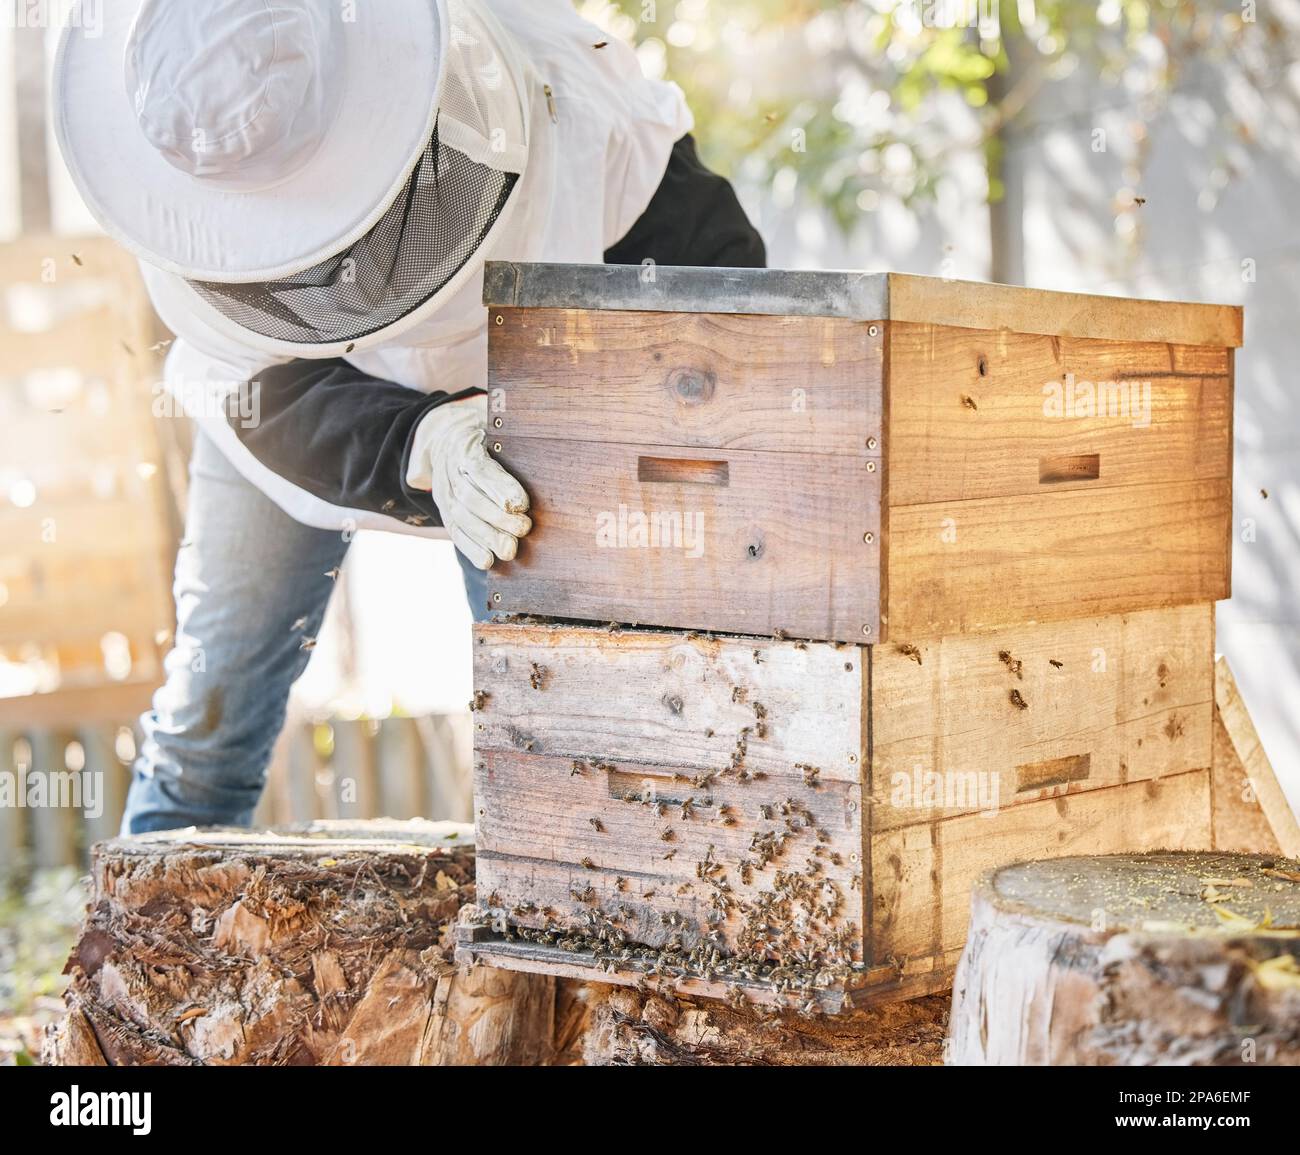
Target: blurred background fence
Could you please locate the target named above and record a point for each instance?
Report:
(92, 490)
(326, 768)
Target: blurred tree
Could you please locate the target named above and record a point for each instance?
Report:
(850, 101)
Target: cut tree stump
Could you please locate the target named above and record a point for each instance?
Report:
(1132, 960)
(640, 1028)
(326, 944)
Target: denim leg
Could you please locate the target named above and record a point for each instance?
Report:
(476, 588)
(251, 585)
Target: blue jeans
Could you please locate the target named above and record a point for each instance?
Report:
(251, 584)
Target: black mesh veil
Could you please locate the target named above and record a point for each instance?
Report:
(434, 226)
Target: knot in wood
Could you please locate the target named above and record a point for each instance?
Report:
(691, 386)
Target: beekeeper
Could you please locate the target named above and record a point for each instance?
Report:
(312, 187)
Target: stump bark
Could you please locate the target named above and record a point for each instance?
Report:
(638, 1028)
(1189, 958)
(328, 944)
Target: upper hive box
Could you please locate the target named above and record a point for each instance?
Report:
(853, 456)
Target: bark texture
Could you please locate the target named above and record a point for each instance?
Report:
(635, 1028)
(328, 944)
(1134, 960)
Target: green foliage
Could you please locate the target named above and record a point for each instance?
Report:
(857, 100)
(38, 924)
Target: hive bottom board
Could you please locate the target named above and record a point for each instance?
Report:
(803, 822)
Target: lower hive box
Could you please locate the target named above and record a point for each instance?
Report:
(801, 823)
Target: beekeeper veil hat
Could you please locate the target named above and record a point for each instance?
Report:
(318, 171)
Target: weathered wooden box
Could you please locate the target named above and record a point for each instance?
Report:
(804, 820)
(855, 457)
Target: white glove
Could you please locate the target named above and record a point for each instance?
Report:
(482, 506)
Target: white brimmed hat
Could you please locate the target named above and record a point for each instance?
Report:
(253, 145)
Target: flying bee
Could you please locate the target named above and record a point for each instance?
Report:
(597, 825)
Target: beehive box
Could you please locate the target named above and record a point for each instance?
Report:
(802, 821)
(85, 574)
(855, 457)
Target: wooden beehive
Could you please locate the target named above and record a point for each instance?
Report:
(85, 514)
(815, 813)
(856, 457)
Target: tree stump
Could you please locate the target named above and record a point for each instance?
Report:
(327, 944)
(1167, 958)
(629, 1027)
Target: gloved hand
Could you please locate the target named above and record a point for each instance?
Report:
(482, 506)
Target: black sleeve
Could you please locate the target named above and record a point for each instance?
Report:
(339, 434)
(694, 219)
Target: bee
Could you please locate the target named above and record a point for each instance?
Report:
(588, 864)
(478, 701)
(298, 626)
(758, 657)
(810, 774)
(577, 768)
(597, 825)
(620, 884)
(333, 574)
(739, 693)
(1012, 664)
(801, 645)
(909, 651)
(671, 854)
(969, 402)
(1018, 701)
(307, 644)
(1055, 663)
(537, 677)
(667, 835)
